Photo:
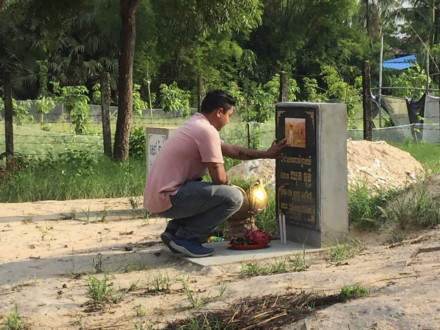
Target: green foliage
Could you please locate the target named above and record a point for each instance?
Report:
(259, 104)
(161, 282)
(338, 88)
(415, 207)
(43, 105)
(97, 264)
(259, 108)
(98, 290)
(254, 268)
(311, 90)
(253, 134)
(197, 301)
(299, 261)
(74, 175)
(43, 72)
(273, 88)
(347, 250)
(230, 162)
(265, 220)
(20, 111)
(75, 101)
(303, 43)
(96, 94)
(354, 291)
(137, 143)
(13, 322)
(138, 103)
(208, 47)
(175, 99)
(411, 78)
(235, 91)
(77, 163)
(365, 206)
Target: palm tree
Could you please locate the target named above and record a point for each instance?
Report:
(375, 15)
(13, 44)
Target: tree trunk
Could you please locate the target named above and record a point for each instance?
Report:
(9, 128)
(105, 111)
(125, 86)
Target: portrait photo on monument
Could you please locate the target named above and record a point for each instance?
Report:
(295, 132)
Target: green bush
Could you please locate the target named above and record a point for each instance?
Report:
(415, 208)
(365, 206)
(175, 99)
(137, 143)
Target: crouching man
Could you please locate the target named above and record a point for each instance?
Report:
(174, 187)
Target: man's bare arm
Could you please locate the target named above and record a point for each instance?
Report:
(217, 173)
(238, 152)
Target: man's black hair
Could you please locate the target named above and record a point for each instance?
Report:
(217, 99)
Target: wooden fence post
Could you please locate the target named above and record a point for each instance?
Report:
(284, 88)
(366, 101)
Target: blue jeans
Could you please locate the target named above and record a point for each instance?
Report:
(199, 207)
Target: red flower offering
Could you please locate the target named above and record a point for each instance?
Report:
(253, 239)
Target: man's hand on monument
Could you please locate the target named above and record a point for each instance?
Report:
(275, 148)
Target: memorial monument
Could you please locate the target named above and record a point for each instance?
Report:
(311, 175)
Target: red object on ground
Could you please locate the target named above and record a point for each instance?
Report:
(257, 237)
(253, 239)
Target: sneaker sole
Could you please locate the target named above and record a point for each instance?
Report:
(167, 239)
(189, 253)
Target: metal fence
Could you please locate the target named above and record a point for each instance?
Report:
(32, 140)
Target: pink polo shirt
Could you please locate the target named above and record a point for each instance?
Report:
(181, 159)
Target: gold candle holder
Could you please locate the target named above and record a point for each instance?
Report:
(254, 202)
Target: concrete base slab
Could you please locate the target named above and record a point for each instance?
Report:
(224, 255)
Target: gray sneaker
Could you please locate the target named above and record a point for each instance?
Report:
(166, 238)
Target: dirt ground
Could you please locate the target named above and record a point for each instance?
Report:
(50, 249)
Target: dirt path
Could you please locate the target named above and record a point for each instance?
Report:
(47, 260)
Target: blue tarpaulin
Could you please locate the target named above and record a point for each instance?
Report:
(400, 63)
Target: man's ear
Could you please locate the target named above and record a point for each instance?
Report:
(218, 111)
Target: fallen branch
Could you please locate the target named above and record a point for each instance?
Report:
(426, 249)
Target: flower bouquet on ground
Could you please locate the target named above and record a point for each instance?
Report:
(252, 239)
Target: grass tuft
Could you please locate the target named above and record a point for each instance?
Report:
(12, 321)
(354, 291)
(365, 207)
(347, 250)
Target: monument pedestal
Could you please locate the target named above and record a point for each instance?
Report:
(311, 175)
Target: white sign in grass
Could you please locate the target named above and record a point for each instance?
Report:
(155, 143)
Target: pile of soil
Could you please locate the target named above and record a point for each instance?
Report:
(380, 165)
